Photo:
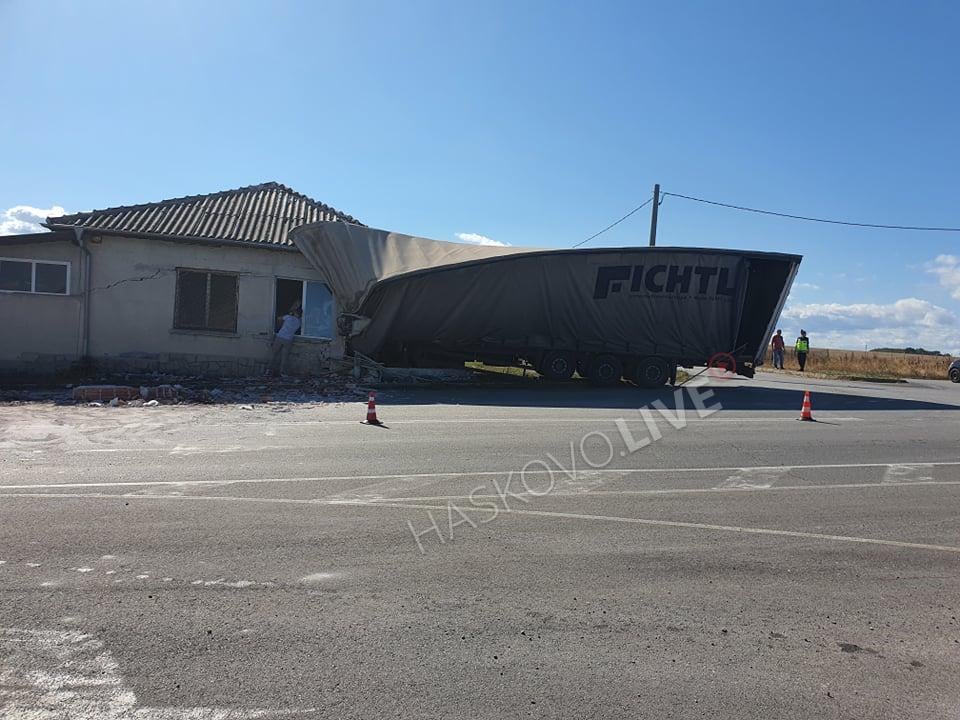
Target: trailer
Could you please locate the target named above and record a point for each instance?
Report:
(604, 314)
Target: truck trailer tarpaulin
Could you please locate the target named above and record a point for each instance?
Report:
(605, 313)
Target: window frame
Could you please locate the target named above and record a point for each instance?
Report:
(206, 309)
(303, 301)
(33, 275)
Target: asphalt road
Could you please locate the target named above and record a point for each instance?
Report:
(545, 552)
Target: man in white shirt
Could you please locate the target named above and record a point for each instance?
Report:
(283, 341)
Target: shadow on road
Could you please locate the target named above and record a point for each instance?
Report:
(577, 395)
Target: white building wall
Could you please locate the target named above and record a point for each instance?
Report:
(132, 307)
(41, 333)
(133, 291)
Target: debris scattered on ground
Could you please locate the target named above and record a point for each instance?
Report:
(151, 390)
(105, 393)
(134, 390)
(160, 392)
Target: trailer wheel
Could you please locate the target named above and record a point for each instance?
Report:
(557, 366)
(651, 372)
(605, 370)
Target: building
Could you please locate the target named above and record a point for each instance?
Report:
(191, 285)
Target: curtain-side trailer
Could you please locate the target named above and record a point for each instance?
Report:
(634, 312)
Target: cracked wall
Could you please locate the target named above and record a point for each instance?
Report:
(132, 312)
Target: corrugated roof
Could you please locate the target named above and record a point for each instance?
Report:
(263, 214)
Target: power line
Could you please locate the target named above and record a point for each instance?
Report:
(612, 225)
(813, 219)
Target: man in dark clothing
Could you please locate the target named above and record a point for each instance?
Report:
(777, 345)
(803, 347)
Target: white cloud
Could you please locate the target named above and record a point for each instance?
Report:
(947, 268)
(907, 322)
(907, 311)
(805, 286)
(22, 219)
(477, 239)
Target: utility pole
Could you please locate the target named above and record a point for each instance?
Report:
(653, 215)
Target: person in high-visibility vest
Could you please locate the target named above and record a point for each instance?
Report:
(803, 347)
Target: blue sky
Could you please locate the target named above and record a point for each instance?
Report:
(529, 123)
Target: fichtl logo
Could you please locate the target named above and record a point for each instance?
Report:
(678, 279)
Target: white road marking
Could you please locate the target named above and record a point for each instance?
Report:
(318, 577)
(401, 503)
(342, 500)
(614, 493)
(188, 450)
(905, 474)
(474, 473)
(686, 525)
(222, 582)
(580, 483)
(754, 478)
(383, 488)
(66, 674)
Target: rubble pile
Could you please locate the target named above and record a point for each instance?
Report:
(332, 388)
(163, 389)
(14, 396)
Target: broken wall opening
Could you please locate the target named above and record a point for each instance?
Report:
(313, 299)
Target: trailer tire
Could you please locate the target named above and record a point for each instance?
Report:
(604, 369)
(557, 365)
(651, 372)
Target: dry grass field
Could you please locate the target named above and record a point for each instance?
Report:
(849, 364)
(857, 363)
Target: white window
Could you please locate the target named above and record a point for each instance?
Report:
(314, 299)
(43, 277)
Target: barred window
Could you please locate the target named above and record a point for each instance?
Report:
(205, 301)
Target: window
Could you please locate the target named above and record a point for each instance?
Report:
(205, 301)
(316, 302)
(34, 276)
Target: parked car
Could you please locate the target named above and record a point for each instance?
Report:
(954, 371)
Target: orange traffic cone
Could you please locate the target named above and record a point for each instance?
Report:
(806, 411)
(372, 409)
